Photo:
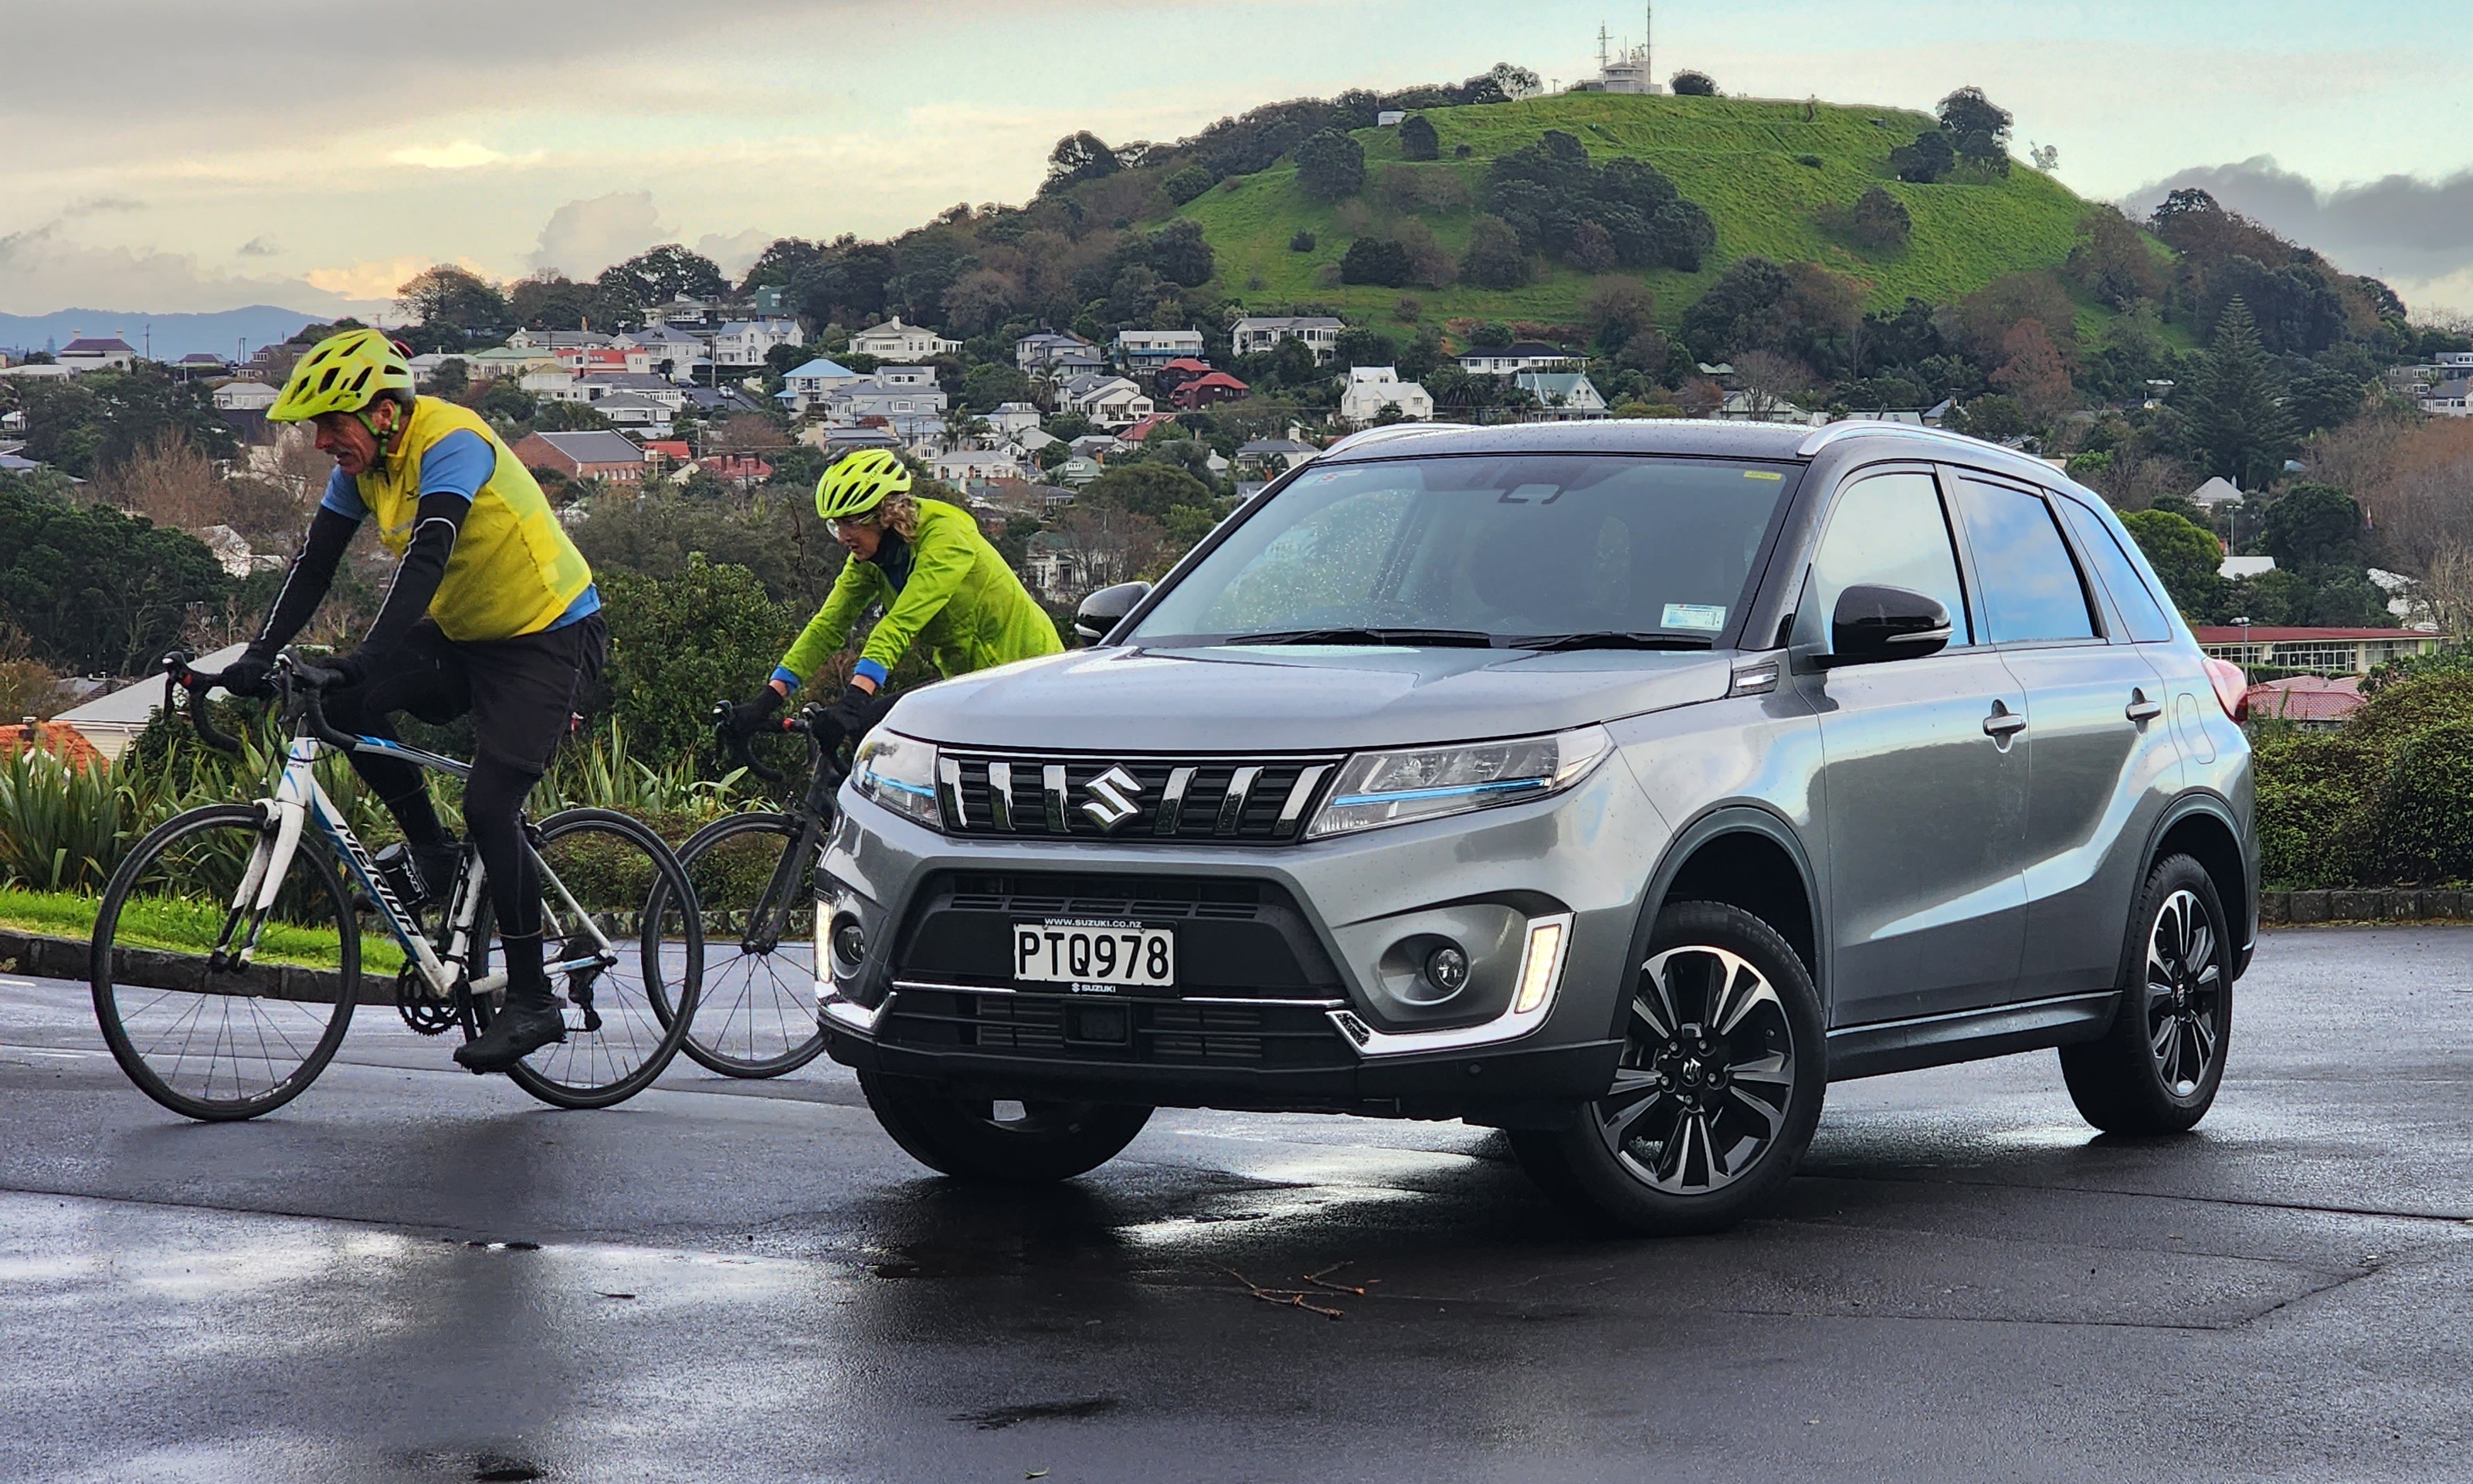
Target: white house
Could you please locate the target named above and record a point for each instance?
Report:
(1108, 401)
(1013, 419)
(559, 340)
(245, 396)
(908, 403)
(804, 386)
(1372, 388)
(1257, 333)
(895, 341)
(633, 411)
(1041, 351)
(2216, 491)
(1526, 355)
(672, 352)
(742, 344)
(105, 354)
(1146, 350)
(1566, 396)
(960, 466)
(597, 389)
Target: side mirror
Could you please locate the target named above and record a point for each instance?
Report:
(1872, 625)
(1104, 610)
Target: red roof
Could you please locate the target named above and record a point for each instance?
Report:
(1187, 363)
(58, 738)
(1147, 426)
(2307, 698)
(670, 448)
(2260, 634)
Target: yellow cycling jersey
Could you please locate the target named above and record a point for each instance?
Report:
(513, 571)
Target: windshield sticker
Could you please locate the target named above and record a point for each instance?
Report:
(1761, 473)
(1706, 617)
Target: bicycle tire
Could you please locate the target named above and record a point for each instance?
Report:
(729, 1034)
(545, 1073)
(136, 1048)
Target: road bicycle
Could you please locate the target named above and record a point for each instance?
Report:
(227, 956)
(753, 875)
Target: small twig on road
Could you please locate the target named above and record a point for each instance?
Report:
(1284, 1298)
(1318, 1280)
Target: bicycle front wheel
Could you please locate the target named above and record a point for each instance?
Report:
(625, 952)
(207, 1038)
(756, 1016)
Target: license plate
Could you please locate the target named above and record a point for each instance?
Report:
(1094, 954)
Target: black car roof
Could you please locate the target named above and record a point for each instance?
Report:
(1706, 438)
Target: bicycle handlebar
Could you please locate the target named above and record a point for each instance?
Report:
(311, 681)
(180, 676)
(813, 722)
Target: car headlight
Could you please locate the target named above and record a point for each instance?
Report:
(1393, 788)
(899, 773)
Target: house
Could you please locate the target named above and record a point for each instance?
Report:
(657, 389)
(717, 401)
(895, 341)
(773, 299)
(836, 441)
(111, 720)
(560, 340)
(2216, 491)
(1013, 419)
(592, 455)
(1372, 388)
(1097, 446)
(672, 352)
(743, 469)
(660, 452)
(501, 361)
(1741, 406)
(964, 466)
(1525, 356)
(891, 391)
(1176, 372)
(1389, 118)
(806, 384)
(1209, 389)
(1269, 457)
(602, 360)
(2449, 399)
(699, 313)
(199, 363)
(1256, 334)
(1038, 350)
(245, 396)
(1147, 351)
(2317, 651)
(108, 352)
(2313, 702)
(1142, 430)
(2233, 570)
(743, 345)
(633, 411)
(1077, 471)
(1561, 396)
(1108, 401)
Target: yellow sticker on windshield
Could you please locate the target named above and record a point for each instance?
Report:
(1761, 473)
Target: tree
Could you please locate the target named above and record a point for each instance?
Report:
(1977, 126)
(1494, 259)
(2236, 422)
(657, 276)
(1330, 166)
(1302, 241)
(450, 378)
(1417, 138)
(1376, 260)
(1689, 83)
(1738, 312)
(1181, 254)
(1878, 221)
(676, 642)
(84, 425)
(2034, 370)
(554, 302)
(1187, 184)
(562, 417)
(1150, 487)
(1358, 345)
(506, 400)
(2185, 556)
(455, 296)
(93, 589)
(1078, 158)
(2312, 527)
(1930, 157)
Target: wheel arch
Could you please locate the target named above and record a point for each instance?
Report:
(1749, 857)
(2200, 826)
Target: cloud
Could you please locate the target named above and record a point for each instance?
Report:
(375, 279)
(462, 155)
(736, 252)
(41, 269)
(2400, 228)
(584, 237)
(97, 205)
(259, 246)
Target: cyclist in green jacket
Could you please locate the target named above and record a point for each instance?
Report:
(937, 579)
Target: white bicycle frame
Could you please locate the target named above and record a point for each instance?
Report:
(299, 799)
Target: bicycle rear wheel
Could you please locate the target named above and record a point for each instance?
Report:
(755, 1012)
(222, 1042)
(627, 1016)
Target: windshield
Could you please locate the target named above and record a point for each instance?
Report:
(1649, 552)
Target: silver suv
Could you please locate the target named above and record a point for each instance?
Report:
(1617, 785)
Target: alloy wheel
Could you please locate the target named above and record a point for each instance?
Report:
(1707, 1072)
(2184, 993)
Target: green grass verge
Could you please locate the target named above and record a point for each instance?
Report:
(1741, 158)
(186, 927)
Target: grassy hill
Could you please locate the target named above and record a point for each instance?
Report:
(1743, 159)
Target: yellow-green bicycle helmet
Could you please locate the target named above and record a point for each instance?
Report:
(859, 482)
(342, 373)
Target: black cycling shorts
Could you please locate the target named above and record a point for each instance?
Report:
(521, 692)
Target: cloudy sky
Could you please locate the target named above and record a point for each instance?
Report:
(164, 155)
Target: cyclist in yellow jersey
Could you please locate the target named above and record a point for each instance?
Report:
(492, 611)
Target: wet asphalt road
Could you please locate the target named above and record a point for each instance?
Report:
(750, 1282)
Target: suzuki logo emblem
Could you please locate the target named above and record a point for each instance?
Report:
(1112, 795)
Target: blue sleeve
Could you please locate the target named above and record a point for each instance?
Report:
(459, 463)
(788, 677)
(871, 669)
(343, 497)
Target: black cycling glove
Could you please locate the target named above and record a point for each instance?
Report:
(247, 675)
(748, 717)
(857, 712)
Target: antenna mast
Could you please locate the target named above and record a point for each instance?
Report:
(1603, 58)
(1649, 42)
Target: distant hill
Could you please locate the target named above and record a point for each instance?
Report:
(175, 335)
(1749, 162)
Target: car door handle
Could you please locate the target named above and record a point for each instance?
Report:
(2003, 722)
(2141, 709)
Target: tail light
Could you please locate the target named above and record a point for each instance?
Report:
(2232, 688)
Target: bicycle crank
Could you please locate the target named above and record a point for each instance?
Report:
(421, 1008)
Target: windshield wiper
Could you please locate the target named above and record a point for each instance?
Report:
(1461, 638)
(1611, 639)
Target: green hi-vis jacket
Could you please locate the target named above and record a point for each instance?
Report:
(961, 600)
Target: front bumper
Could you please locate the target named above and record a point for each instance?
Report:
(1541, 892)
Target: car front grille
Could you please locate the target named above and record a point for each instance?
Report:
(1063, 1027)
(1195, 800)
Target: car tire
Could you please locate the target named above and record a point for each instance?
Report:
(1718, 1089)
(2156, 1070)
(968, 1139)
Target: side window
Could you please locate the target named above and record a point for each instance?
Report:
(1888, 531)
(2032, 589)
(2140, 613)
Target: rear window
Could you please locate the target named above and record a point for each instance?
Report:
(2140, 613)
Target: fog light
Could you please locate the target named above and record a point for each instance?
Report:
(850, 941)
(1447, 968)
(1541, 964)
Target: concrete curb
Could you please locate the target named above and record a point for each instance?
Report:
(2384, 904)
(70, 958)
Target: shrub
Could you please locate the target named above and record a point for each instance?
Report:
(1878, 221)
(1693, 85)
(1330, 166)
(1187, 184)
(1417, 139)
(1302, 242)
(2313, 787)
(1378, 260)
(1494, 259)
(681, 643)
(2423, 825)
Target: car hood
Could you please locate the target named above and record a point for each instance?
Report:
(1297, 698)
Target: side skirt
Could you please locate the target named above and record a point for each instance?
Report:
(1968, 1034)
